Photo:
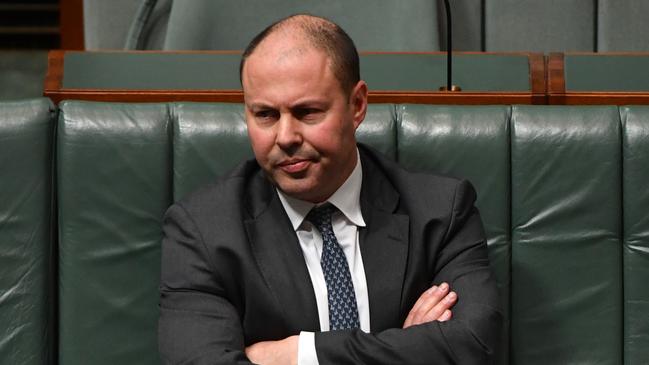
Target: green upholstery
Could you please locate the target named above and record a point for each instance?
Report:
(473, 143)
(197, 159)
(22, 74)
(562, 192)
(201, 71)
(539, 26)
(379, 129)
(113, 188)
(606, 72)
(566, 235)
(151, 71)
(421, 72)
(636, 233)
(26, 135)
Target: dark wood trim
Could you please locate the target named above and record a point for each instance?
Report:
(600, 98)
(236, 96)
(139, 51)
(558, 95)
(71, 18)
(455, 53)
(556, 74)
(455, 98)
(54, 76)
(538, 82)
(616, 53)
(139, 96)
(556, 79)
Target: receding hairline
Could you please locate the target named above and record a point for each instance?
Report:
(317, 33)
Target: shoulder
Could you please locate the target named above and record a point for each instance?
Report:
(416, 188)
(227, 196)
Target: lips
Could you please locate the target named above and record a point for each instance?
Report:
(294, 166)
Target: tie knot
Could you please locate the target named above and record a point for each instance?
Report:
(321, 216)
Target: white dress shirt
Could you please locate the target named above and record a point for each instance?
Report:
(345, 225)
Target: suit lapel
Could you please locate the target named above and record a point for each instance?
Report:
(383, 243)
(384, 247)
(279, 256)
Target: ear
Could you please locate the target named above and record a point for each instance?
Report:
(358, 102)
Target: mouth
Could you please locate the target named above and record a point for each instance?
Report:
(294, 166)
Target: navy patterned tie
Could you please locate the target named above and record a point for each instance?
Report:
(343, 311)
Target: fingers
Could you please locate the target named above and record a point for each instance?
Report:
(445, 316)
(432, 309)
(434, 304)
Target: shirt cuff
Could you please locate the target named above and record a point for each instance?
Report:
(306, 354)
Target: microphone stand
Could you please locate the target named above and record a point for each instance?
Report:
(449, 52)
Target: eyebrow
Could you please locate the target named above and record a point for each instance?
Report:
(257, 106)
(309, 103)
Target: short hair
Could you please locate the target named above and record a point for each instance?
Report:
(323, 35)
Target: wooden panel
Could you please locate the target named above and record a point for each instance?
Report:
(537, 95)
(559, 93)
(71, 15)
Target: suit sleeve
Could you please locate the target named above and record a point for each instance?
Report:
(197, 324)
(470, 337)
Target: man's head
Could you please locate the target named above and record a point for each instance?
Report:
(303, 101)
(322, 35)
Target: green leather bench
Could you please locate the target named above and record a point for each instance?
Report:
(562, 191)
(27, 280)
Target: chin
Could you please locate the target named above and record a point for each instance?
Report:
(303, 190)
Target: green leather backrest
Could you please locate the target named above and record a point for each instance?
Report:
(566, 235)
(635, 153)
(470, 142)
(113, 188)
(553, 184)
(26, 244)
(208, 141)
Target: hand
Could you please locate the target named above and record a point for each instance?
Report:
(282, 352)
(433, 305)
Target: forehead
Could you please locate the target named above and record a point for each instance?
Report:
(286, 67)
(282, 47)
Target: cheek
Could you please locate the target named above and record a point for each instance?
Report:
(334, 137)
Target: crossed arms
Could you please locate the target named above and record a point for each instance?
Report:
(433, 305)
(202, 317)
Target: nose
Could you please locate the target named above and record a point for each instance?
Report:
(289, 135)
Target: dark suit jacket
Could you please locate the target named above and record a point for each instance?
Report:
(233, 272)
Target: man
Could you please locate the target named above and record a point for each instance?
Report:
(320, 250)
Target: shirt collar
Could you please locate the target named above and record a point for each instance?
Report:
(346, 199)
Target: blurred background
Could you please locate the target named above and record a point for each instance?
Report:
(28, 28)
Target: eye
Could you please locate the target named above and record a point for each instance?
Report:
(266, 115)
(307, 113)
